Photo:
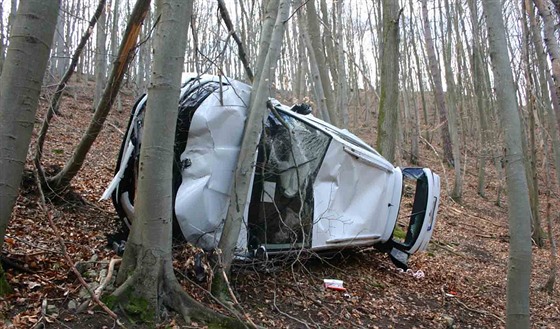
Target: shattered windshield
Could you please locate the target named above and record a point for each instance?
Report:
(290, 155)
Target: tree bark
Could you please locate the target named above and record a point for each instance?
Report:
(453, 123)
(62, 180)
(2, 36)
(387, 124)
(20, 87)
(519, 210)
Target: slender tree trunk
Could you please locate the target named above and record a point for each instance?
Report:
(342, 78)
(477, 74)
(55, 101)
(2, 36)
(453, 122)
(100, 57)
(20, 86)
(317, 49)
(519, 210)
(62, 180)
(531, 164)
(315, 75)
(387, 124)
(251, 136)
(438, 86)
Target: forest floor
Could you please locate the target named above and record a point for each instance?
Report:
(465, 266)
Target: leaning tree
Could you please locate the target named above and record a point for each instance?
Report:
(20, 86)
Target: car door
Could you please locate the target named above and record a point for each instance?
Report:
(417, 213)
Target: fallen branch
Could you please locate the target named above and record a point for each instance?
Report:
(479, 311)
(447, 248)
(107, 279)
(116, 128)
(440, 160)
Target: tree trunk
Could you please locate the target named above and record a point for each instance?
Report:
(251, 136)
(100, 57)
(342, 78)
(20, 86)
(317, 49)
(477, 67)
(453, 122)
(147, 266)
(2, 36)
(387, 124)
(55, 101)
(519, 212)
(550, 40)
(62, 180)
(438, 86)
(315, 75)
(531, 110)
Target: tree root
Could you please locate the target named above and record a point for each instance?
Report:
(160, 288)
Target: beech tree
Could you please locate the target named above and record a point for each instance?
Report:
(389, 98)
(519, 210)
(146, 272)
(20, 85)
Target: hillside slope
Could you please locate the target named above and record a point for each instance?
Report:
(464, 270)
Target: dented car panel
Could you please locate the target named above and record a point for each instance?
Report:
(314, 186)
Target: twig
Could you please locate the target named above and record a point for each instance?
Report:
(242, 54)
(286, 314)
(479, 311)
(116, 128)
(487, 236)
(446, 247)
(232, 295)
(105, 282)
(474, 216)
(217, 300)
(296, 10)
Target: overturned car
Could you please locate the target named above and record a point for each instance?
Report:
(314, 186)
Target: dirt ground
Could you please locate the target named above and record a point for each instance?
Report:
(460, 282)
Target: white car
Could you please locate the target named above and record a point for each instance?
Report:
(315, 186)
